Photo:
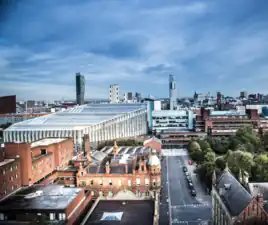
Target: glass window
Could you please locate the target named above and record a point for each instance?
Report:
(100, 182)
(129, 183)
(138, 181)
(119, 182)
(147, 181)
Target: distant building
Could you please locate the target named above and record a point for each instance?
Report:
(157, 105)
(80, 89)
(8, 104)
(172, 92)
(128, 97)
(175, 120)
(114, 93)
(138, 97)
(243, 94)
(45, 204)
(18, 117)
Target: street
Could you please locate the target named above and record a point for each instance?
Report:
(176, 203)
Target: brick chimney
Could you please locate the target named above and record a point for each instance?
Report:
(144, 166)
(107, 167)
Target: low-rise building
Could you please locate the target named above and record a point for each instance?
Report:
(47, 203)
(18, 117)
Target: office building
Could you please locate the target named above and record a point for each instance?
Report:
(80, 89)
(138, 97)
(172, 92)
(172, 120)
(243, 94)
(114, 94)
(102, 122)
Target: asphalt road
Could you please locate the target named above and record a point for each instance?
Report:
(184, 208)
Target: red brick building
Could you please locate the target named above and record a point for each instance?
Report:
(39, 159)
(8, 104)
(10, 174)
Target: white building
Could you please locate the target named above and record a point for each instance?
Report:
(101, 121)
(157, 105)
(128, 98)
(114, 93)
(174, 120)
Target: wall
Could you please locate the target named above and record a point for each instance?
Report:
(7, 185)
(24, 151)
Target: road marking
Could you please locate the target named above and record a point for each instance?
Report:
(175, 221)
(169, 202)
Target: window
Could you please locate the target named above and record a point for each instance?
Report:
(11, 178)
(62, 216)
(4, 171)
(138, 181)
(110, 182)
(154, 182)
(43, 151)
(4, 181)
(12, 187)
(100, 193)
(16, 176)
(11, 169)
(84, 183)
(147, 181)
(100, 182)
(129, 183)
(110, 194)
(92, 193)
(51, 216)
(2, 216)
(91, 182)
(119, 182)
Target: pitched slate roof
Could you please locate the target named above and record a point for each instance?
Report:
(233, 194)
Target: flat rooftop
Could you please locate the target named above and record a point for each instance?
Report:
(50, 197)
(47, 141)
(133, 212)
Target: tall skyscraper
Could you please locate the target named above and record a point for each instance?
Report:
(114, 93)
(172, 92)
(80, 89)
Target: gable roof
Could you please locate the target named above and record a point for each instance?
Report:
(154, 139)
(235, 197)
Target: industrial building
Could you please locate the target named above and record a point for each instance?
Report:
(101, 121)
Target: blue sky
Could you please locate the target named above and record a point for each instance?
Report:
(208, 45)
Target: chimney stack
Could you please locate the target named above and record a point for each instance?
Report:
(126, 168)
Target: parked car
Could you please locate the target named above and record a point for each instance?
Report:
(186, 173)
(190, 162)
(190, 185)
(185, 169)
(193, 193)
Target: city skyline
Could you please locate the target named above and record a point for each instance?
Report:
(208, 46)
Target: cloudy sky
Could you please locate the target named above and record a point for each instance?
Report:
(209, 45)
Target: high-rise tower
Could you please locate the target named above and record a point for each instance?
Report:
(80, 89)
(114, 93)
(172, 92)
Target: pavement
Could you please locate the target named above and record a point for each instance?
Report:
(177, 205)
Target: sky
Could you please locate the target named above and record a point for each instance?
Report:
(209, 45)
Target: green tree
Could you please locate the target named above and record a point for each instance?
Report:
(203, 144)
(220, 163)
(260, 168)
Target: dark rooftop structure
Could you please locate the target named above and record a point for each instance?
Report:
(235, 197)
(133, 212)
(40, 197)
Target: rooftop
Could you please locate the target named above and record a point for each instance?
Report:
(47, 141)
(6, 161)
(39, 197)
(133, 212)
(227, 113)
(235, 197)
(77, 117)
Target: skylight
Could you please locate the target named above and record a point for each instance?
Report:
(112, 216)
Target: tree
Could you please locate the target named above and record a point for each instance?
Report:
(203, 144)
(197, 156)
(260, 168)
(220, 163)
(194, 146)
(210, 157)
(265, 140)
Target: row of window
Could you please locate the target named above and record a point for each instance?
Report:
(110, 194)
(138, 182)
(11, 168)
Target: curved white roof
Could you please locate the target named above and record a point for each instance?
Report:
(77, 117)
